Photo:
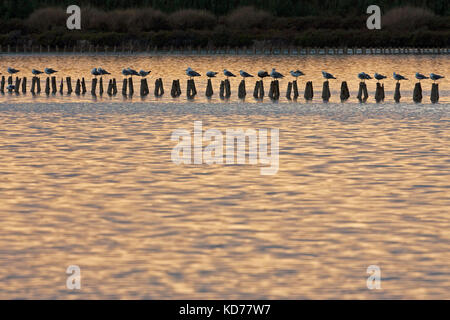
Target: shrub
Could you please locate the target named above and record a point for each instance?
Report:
(248, 17)
(192, 19)
(47, 19)
(406, 18)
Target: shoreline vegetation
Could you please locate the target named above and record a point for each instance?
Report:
(144, 29)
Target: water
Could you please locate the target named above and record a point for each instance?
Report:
(93, 184)
(170, 67)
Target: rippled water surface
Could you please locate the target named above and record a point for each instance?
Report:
(93, 185)
(170, 67)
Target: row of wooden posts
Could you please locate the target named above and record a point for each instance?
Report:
(292, 91)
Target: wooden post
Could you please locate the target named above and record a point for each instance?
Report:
(326, 91)
(124, 86)
(159, 90)
(17, 85)
(24, 85)
(434, 93)
(397, 95)
(176, 90)
(109, 91)
(417, 93)
(94, 87)
(83, 86)
(38, 85)
(345, 94)
(100, 89)
(144, 87)
(362, 92)
(222, 89)
(379, 93)
(2, 85)
(54, 89)
(309, 91)
(227, 89)
(78, 87)
(274, 91)
(191, 90)
(61, 86)
(10, 80)
(241, 91)
(256, 90)
(114, 86)
(295, 88)
(289, 90)
(69, 85)
(130, 87)
(47, 86)
(209, 89)
(33, 85)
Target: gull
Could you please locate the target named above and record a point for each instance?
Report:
(379, 76)
(420, 76)
(399, 77)
(144, 73)
(296, 74)
(327, 75)
(435, 77)
(245, 74)
(364, 76)
(211, 74)
(102, 71)
(191, 73)
(12, 70)
(263, 73)
(36, 72)
(11, 87)
(126, 73)
(95, 72)
(49, 71)
(228, 73)
(275, 74)
(133, 72)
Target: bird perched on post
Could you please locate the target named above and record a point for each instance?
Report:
(275, 74)
(327, 75)
(50, 71)
(144, 73)
(95, 72)
(12, 70)
(245, 74)
(126, 73)
(36, 72)
(228, 73)
(435, 77)
(263, 74)
(211, 74)
(191, 73)
(420, 76)
(296, 74)
(102, 71)
(399, 77)
(132, 72)
(379, 76)
(364, 76)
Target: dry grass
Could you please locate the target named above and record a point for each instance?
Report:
(192, 19)
(47, 19)
(406, 18)
(248, 18)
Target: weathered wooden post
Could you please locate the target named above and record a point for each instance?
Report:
(345, 94)
(109, 91)
(209, 89)
(274, 91)
(362, 92)
(100, 89)
(289, 90)
(379, 93)
(241, 91)
(417, 93)
(124, 86)
(256, 90)
(295, 88)
(17, 85)
(47, 86)
(2, 85)
(397, 94)
(191, 90)
(434, 93)
(326, 91)
(69, 85)
(61, 86)
(174, 92)
(309, 91)
(78, 87)
(114, 86)
(227, 89)
(144, 87)
(24, 85)
(83, 86)
(54, 88)
(159, 90)
(261, 89)
(130, 87)
(10, 80)
(33, 85)
(94, 87)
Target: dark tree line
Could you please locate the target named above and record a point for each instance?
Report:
(284, 8)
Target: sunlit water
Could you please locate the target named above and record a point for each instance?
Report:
(170, 67)
(93, 185)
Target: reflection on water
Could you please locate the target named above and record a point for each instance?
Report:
(93, 185)
(172, 67)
